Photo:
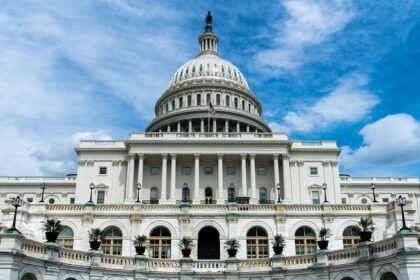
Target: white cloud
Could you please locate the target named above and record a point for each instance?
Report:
(349, 102)
(391, 141)
(309, 23)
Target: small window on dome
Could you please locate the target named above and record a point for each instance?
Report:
(176, 76)
(227, 101)
(189, 100)
(229, 71)
(218, 99)
(186, 71)
(208, 67)
(180, 74)
(198, 99)
(223, 69)
(243, 104)
(201, 67)
(193, 70)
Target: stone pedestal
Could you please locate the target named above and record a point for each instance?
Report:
(95, 257)
(11, 241)
(186, 268)
(409, 240)
(53, 249)
(277, 262)
(232, 268)
(141, 267)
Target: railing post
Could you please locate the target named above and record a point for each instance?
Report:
(277, 267)
(53, 249)
(95, 257)
(409, 240)
(11, 242)
(141, 267)
(232, 268)
(186, 268)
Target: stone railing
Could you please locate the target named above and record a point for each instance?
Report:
(344, 255)
(33, 248)
(254, 265)
(383, 246)
(73, 256)
(163, 265)
(300, 261)
(201, 135)
(118, 262)
(209, 266)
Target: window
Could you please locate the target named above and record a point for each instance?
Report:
(154, 170)
(227, 101)
(263, 195)
(243, 105)
(181, 103)
(185, 193)
(385, 200)
(315, 197)
(198, 99)
(102, 170)
(51, 201)
(30, 199)
(262, 171)
(351, 237)
(344, 200)
(364, 201)
(112, 242)
(160, 243)
(65, 238)
(208, 98)
(208, 170)
(218, 99)
(305, 241)
(186, 171)
(173, 104)
(256, 243)
(230, 170)
(313, 171)
(208, 195)
(236, 102)
(100, 199)
(71, 200)
(154, 195)
(189, 101)
(231, 193)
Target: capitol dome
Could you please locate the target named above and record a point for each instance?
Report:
(208, 84)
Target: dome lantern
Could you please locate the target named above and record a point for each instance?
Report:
(208, 40)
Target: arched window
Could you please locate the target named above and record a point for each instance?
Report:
(167, 107)
(388, 276)
(198, 99)
(154, 195)
(231, 193)
(351, 236)
(160, 243)
(181, 103)
(243, 105)
(173, 104)
(189, 100)
(218, 99)
(185, 193)
(28, 276)
(256, 243)
(227, 101)
(263, 195)
(66, 237)
(112, 242)
(208, 193)
(236, 103)
(305, 241)
(208, 98)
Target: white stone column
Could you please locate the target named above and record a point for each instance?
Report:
(190, 126)
(220, 179)
(253, 199)
(173, 179)
(196, 179)
(247, 128)
(238, 127)
(140, 173)
(130, 178)
(168, 128)
(178, 127)
(202, 125)
(164, 176)
(286, 178)
(214, 125)
(276, 176)
(226, 126)
(243, 165)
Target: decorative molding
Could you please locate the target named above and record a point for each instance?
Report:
(173, 156)
(116, 162)
(184, 219)
(136, 218)
(252, 156)
(197, 156)
(131, 156)
(280, 219)
(243, 156)
(220, 156)
(275, 156)
(141, 156)
(334, 163)
(285, 156)
(164, 156)
(82, 162)
(87, 219)
(90, 162)
(292, 163)
(300, 163)
(325, 163)
(232, 218)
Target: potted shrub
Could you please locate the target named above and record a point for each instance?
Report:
(186, 244)
(232, 246)
(278, 244)
(140, 244)
(52, 228)
(324, 233)
(367, 227)
(95, 237)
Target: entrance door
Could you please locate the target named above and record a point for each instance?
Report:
(208, 244)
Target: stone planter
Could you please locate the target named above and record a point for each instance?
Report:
(278, 250)
(365, 236)
(51, 236)
(94, 245)
(186, 252)
(140, 250)
(232, 252)
(322, 244)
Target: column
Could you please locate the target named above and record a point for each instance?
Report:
(220, 179)
(247, 128)
(173, 179)
(243, 165)
(276, 175)
(140, 172)
(286, 178)
(226, 126)
(202, 125)
(178, 127)
(196, 179)
(214, 125)
(190, 126)
(253, 199)
(164, 176)
(168, 129)
(238, 127)
(130, 178)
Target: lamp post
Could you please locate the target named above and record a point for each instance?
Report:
(16, 202)
(324, 186)
(401, 201)
(91, 186)
(373, 187)
(138, 192)
(278, 193)
(43, 187)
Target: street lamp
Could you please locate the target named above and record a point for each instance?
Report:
(278, 193)
(401, 201)
(16, 202)
(373, 187)
(324, 186)
(43, 187)
(138, 192)
(91, 186)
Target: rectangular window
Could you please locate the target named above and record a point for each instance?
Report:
(315, 197)
(385, 200)
(71, 200)
(313, 171)
(186, 171)
(208, 170)
(230, 170)
(154, 170)
(101, 197)
(344, 200)
(102, 170)
(262, 171)
(30, 199)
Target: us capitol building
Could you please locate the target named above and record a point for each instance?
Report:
(210, 168)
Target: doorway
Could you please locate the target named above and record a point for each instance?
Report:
(208, 244)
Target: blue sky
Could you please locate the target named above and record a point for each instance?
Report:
(340, 70)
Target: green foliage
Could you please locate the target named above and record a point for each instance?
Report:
(52, 225)
(279, 241)
(324, 233)
(232, 244)
(140, 240)
(366, 224)
(96, 234)
(186, 243)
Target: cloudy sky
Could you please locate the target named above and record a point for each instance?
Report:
(342, 70)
